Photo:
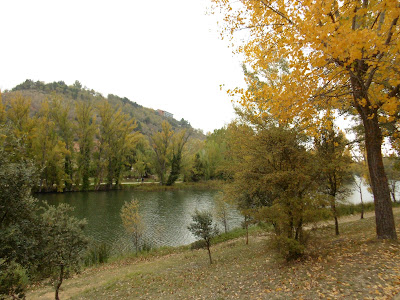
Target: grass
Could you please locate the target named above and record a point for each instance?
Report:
(354, 265)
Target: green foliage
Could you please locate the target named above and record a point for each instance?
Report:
(160, 142)
(47, 244)
(351, 209)
(117, 139)
(86, 128)
(13, 280)
(132, 221)
(392, 169)
(230, 235)
(202, 227)
(97, 253)
(222, 210)
(179, 141)
(65, 243)
(211, 160)
(334, 168)
(274, 178)
(19, 222)
(80, 140)
(199, 244)
(289, 248)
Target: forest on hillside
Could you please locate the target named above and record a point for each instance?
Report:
(79, 140)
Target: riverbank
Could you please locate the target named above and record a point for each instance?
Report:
(354, 265)
(153, 186)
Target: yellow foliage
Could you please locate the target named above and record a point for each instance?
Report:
(341, 55)
(131, 218)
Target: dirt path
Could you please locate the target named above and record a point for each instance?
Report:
(355, 217)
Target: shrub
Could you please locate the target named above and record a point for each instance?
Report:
(13, 281)
(289, 248)
(97, 254)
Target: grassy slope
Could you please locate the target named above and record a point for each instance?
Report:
(352, 266)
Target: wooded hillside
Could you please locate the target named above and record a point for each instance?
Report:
(148, 120)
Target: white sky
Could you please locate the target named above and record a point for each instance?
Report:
(160, 54)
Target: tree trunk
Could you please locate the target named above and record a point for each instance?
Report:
(60, 280)
(225, 223)
(361, 199)
(362, 208)
(336, 226)
(335, 216)
(385, 226)
(209, 253)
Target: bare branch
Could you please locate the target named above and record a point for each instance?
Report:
(276, 11)
(390, 33)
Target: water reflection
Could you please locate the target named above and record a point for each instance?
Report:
(166, 215)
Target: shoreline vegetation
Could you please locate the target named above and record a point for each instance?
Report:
(353, 265)
(149, 186)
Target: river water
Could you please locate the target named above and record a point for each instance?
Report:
(166, 215)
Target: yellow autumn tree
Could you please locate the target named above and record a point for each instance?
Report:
(342, 55)
(2, 110)
(132, 221)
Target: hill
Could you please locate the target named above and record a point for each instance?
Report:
(148, 120)
(354, 265)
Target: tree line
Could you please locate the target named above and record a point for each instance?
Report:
(97, 146)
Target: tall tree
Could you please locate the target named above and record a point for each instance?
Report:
(22, 125)
(65, 244)
(392, 168)
(334, 164)
(160, 142)
(2, 110)
(342, 55)
(132, 221)
(49, 151)
(179, 140)
(274, 181)
(86, 128)
(117, 139)
(65, 128)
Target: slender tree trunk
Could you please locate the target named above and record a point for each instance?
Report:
(335, 216)
(361, 197)
(209, 253)
(393, 190)
(246, 224)
(225, 223)
(60, 280)
(336, 226)
(362, 204)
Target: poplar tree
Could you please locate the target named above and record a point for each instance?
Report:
(160, 142)
(86, 128)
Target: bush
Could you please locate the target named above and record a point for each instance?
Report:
(200, 244)
(13, 281)
(97, 254)
(289, 249)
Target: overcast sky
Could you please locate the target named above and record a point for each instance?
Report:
(161, 54)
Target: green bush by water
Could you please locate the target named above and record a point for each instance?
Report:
(97, 254)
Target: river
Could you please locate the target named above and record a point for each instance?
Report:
(165, 214)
